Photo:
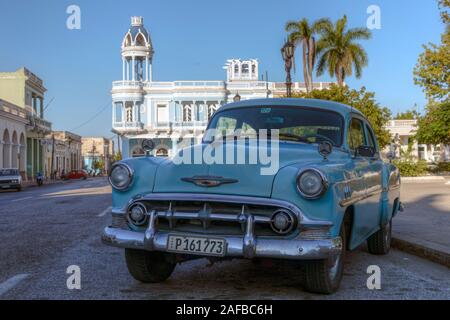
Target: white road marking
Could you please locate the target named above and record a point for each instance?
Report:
(20, 199)
(12, 282)
(104, 212)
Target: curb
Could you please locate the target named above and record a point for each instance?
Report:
(423, 179)
(421, 251)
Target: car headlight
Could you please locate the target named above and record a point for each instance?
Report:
(311, 183)
(121, 176)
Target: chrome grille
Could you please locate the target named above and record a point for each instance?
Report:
(211, 217)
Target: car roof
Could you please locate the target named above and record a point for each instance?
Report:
(293, 102)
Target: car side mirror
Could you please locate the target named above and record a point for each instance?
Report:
(365, 151)
(390, 155)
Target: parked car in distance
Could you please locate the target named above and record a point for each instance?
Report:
(330, 193)
(75, 174)
(10, 179)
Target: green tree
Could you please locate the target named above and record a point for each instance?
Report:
(432, 71)
(407, 115)
(434, 127)
(362, 100)
(338, 51)
(98, 164)
(118, 156)
(302, 33)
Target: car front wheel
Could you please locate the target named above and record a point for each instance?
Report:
(380, 241)
(149, 267)
(324, 276)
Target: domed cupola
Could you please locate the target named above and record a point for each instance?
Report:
(137, 52)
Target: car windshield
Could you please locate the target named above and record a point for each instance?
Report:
(9, 172)
(296, 124)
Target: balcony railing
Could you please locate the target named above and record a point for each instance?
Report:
(135, 125)
(402, 123)
(128, 84)
(186, 84)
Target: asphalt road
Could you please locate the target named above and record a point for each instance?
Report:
(45, 230)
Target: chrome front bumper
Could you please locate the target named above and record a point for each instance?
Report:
(247, 245)
(239, 247)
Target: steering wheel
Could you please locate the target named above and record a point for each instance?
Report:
(321, 137)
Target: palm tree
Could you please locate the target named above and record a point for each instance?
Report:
(302, 33)
(338, 52)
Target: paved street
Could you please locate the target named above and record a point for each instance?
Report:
(45, 230)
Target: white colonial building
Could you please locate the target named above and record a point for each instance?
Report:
(164, 111)
(402, 134)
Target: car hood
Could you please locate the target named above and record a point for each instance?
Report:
(250, 179)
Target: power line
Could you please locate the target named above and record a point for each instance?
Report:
(93, 117)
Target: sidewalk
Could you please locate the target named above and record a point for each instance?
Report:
(31, 184)
(423, 228)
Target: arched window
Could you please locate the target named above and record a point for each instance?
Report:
(245, 69)
(140, 40)
(127, 40)
(236, 70)
(138, 152)
(187, 112)
(211, 109)
(162, 152)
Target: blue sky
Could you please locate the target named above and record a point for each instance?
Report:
(192, 40)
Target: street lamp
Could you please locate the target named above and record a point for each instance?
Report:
(287, 52)
(237, 97)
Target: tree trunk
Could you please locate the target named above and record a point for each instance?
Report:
(339, 76)
(305, 65)
(311, 61)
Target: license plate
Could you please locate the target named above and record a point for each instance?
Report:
(196, 245)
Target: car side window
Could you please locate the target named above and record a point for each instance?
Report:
(356, 137)
(371, 138)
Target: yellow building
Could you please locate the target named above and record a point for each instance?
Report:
(25, 90)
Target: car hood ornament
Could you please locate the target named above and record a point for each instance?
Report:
(208, 181)
(325, 148)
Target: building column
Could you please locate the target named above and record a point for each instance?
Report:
(1, 154)
(132, 69)
(146, 68)
(150, 71)
(127, 67)
(41, 108)
(123, 68)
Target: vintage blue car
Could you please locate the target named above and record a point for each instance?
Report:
(326, 191)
